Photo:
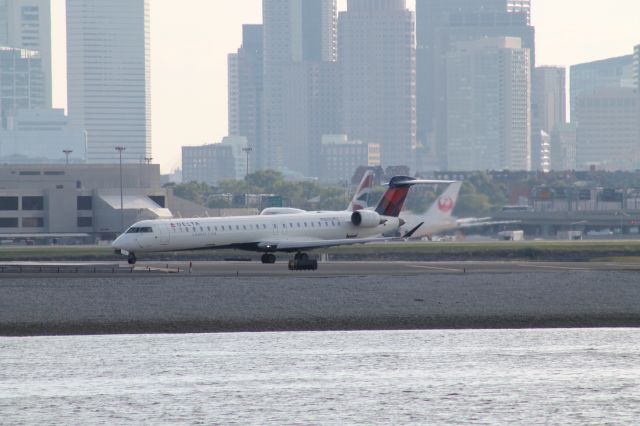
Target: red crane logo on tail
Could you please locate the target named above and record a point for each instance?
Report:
(445, 204)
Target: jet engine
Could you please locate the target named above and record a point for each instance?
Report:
(366, 219)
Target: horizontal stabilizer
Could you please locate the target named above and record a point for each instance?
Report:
(413, 231)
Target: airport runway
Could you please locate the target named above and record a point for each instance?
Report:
(244, 296)
(325, 269)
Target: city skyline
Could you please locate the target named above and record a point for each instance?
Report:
(189, 49)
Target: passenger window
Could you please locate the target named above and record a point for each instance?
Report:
(305, 224)
(298, 224)
(237, 227)
(244, 227)
(201, 229)
(313, 225)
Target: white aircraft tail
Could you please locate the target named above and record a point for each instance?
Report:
(360, 200)
(443, 206)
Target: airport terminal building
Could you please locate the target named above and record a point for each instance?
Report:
(77, 203)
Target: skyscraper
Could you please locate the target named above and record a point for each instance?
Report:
(608, 135)
(376, 50)
(605, 73)
(440, 25)
(549, 109)
(245, 91)
(21, 82)
(636, 66)
(488, 105)
(26, 24)
(233, 95)
(108, 76)
(312, 100)
(294, 31)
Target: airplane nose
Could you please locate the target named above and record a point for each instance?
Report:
(119, 243)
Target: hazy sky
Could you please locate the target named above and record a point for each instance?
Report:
(190, 40)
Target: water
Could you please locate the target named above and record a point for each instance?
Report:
(422, 377)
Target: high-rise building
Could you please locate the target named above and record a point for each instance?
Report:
(294, 31)
(208, 163)
(440, 25)
(233, 95)
(488, 105)
(636, 66)
(606, 73)
(108, 76)
(563, 148)
(245, 91)
(607, 129)
(41, 136)
(340, 158)
(549, 109)
(377, 54)
(4, 23)
(26, 24)
(313, 105)
(21, 81)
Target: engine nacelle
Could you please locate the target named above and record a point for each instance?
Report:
(366, 219)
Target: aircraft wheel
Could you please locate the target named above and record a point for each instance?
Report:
(303, 265)
(268, 258)
(301, 256)
(132, 259)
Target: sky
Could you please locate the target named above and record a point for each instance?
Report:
(190, 41)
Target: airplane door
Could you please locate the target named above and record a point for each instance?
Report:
(164, 234)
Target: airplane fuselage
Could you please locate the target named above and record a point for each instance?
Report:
(246, 232)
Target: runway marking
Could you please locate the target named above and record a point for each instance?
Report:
(567, 268)
(435, 268)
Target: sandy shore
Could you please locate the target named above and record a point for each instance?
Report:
(183, 304)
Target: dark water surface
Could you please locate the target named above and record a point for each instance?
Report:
(588, 376)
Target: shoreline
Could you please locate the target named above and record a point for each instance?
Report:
(161, 304)
(397, 324)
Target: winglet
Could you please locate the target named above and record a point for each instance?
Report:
(413, 231)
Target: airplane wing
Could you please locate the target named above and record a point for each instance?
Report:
(309, 244)
(466, 225)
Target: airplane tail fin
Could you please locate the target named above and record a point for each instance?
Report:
(443, 206)
(360, 200)
(393, 199)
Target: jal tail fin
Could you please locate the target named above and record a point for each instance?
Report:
(393, 199)
(443, 206)
(360, 200)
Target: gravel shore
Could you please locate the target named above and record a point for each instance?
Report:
(179, 304)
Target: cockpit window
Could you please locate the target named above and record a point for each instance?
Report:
(140, 230)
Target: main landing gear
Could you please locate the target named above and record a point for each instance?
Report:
(268, 258)
(301, 262)
(132, 259)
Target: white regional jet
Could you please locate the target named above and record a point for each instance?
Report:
(273, 233)
(438, 218)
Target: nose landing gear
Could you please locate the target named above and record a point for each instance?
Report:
(132, 259)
